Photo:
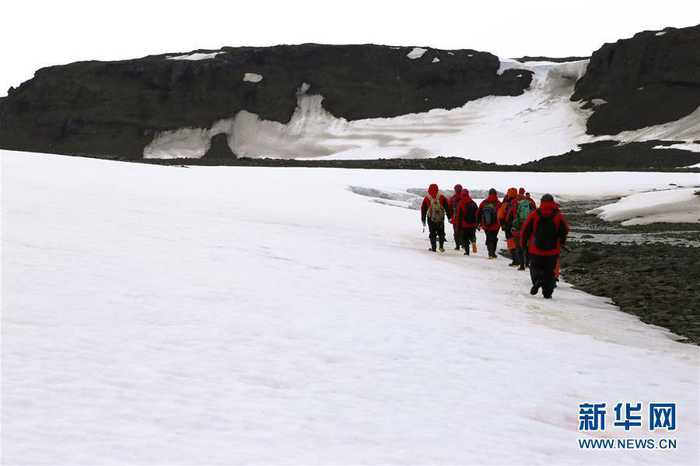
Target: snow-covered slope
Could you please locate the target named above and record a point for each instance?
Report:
(167, 315)
(501, 129)
(672, 206)
(542, 121)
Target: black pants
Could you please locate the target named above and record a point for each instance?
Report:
(542, 272)
(468, 236)
(521, 254)
(437, 233)
(491, 242)
(457, 235)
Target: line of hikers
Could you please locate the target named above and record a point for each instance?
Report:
(534, 235)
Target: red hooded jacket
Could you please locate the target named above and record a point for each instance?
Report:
(549, 241)
(491, 199)
(433, 192)
(455, 200)
(467, 210)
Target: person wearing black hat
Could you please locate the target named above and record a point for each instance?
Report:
(544, 232)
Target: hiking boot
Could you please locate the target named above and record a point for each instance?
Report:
(457, 248)
(466, 252)
(513, 264)
(547, 296)
(432, 248)
(522, 267)
(534, 289)
(492, 257)
(442, 249)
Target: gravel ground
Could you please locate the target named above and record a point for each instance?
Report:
(652, 271)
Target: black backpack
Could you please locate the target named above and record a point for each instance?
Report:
(489, 213)
(546, 234)
(470, 213)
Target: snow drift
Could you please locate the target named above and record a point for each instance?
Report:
(670, 206)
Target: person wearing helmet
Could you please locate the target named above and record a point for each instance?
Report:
(487, 219)
(454, 203)
(545, 232)
(465, 217)
(433, 211)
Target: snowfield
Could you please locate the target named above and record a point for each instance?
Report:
(670, 206)
(230, 315)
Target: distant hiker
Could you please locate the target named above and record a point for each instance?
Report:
(454, 203)
(465, 217)
(434, 208)
(504, 218)
(519, 211)
(545, 231)
(487, 218)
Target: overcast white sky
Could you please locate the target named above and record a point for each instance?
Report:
(41, 33)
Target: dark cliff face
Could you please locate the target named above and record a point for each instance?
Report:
(113, 109)
(652, 78)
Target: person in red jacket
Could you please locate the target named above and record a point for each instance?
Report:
(465, 217)
(434, 208)
(454, 203)
(504, 218)
(520, 209)
(487, 218)
(544, 232)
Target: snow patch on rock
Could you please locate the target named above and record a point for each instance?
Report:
(417, 52)
(689, 146)
(436, 60)
(195, 56)
(252, 77)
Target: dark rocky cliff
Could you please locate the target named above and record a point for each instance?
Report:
(113, 109)
(651, 78)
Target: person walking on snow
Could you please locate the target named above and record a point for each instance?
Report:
(454, 203)
(504, 219)
(544, 232)
(519, 211)
(487, 218)
(434, 208)
(465, 217)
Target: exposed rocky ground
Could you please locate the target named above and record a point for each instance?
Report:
(651, 271)
(606, 155)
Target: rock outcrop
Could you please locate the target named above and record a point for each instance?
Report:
(651, 78)
(114, 109)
